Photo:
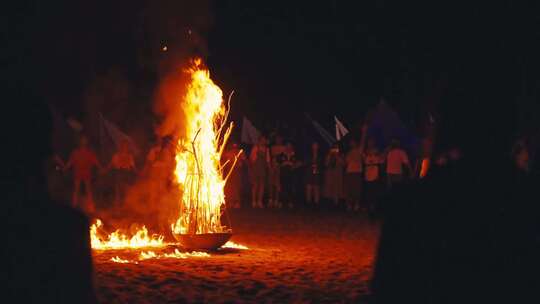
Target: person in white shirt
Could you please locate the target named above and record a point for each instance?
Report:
(333, 175)
(396, 159)
(259, 161)
(353, 173)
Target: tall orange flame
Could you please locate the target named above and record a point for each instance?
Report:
(198, 169)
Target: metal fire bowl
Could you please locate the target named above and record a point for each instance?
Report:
(207, 241)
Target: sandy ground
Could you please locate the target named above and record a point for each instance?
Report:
(300, 257)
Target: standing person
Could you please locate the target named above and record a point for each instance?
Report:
(395, 160)
(353, 173)
(152, 156)
(287, 168)
(372, 177)
(153, 173)
(353, 176)
(56, 181)
(313, 175)
(123, 166)
(83, 160)
(274, 183)
(333, 177)
(276, 151)
(278, 148)
(158, 172)
(233, 186)
(164, 168)
(260, 160)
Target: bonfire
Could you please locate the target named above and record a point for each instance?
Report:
(198, 172)
(198, 167)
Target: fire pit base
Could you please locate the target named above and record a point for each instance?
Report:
(207, 241)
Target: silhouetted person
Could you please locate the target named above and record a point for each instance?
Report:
(289, 176)
(353, 172)
(313, 178)
(233, 187)
(123, 166)
(373, 186)
(467, 232)
(277, 151)
(259, 162)
(83, 160)
(333, 181)
(154, 171)
(48, 244)
(396, 159)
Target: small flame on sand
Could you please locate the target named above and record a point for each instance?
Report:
(117, 259)
(117, 240)
(148, 255)
(231, 244)
(176, 255)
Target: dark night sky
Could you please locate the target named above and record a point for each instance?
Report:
(283, 58)
(344, 56)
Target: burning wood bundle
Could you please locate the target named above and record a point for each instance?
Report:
(198, 169)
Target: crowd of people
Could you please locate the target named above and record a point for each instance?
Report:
(83, 162)
(273, 171)
(353, 174)
(280, 177)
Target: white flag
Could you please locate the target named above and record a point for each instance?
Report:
(431, 119)
(326, 136)
(74, 124)
(118, 136)
(341, 131)
(250, 134)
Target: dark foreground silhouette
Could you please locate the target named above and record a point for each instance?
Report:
(467, 233)
(47, 244)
